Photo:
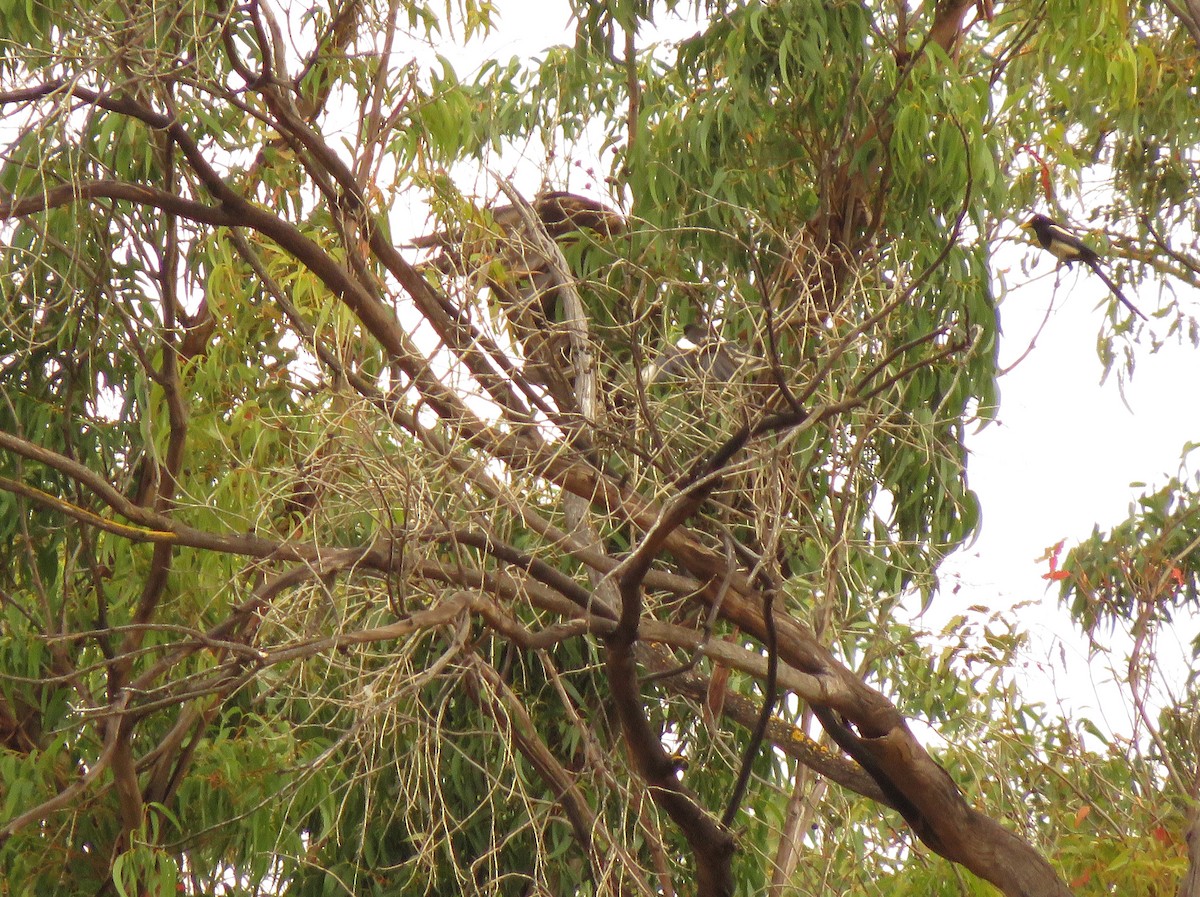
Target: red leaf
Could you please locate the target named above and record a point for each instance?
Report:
(1051, 556)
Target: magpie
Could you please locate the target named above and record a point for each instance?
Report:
(699, 353)
(1068, 248)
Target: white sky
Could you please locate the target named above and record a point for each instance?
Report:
(1066, 455)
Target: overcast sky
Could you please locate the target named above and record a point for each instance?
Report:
(1065, 455)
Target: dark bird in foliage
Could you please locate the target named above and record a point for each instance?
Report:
(527, 272)
(1068, 248)
(561, 213)
(519, 271)
(703, 355)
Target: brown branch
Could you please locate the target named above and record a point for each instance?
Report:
(374, 315)
(158, 529)
(945, 821)
(759, 731)
(166, 475)
(1189, 882)
(710, 840)
(1188, 13)
(510, 715)
(947, 28)
(68, 795)
(132, 533)
(69, 194)
(479, 353)
(786, 737)
(538, 569)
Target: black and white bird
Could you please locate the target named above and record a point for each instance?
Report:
(1068, 248)
(699, 353)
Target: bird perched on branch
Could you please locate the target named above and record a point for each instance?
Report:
(507, 246)
(510, 243)
(702, 354)
(1068, 248)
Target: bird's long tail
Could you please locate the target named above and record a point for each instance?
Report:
(1095, 266)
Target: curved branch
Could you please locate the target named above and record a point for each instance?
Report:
(67, 796)
(374, 315)
(68, 194)
(509, 713)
